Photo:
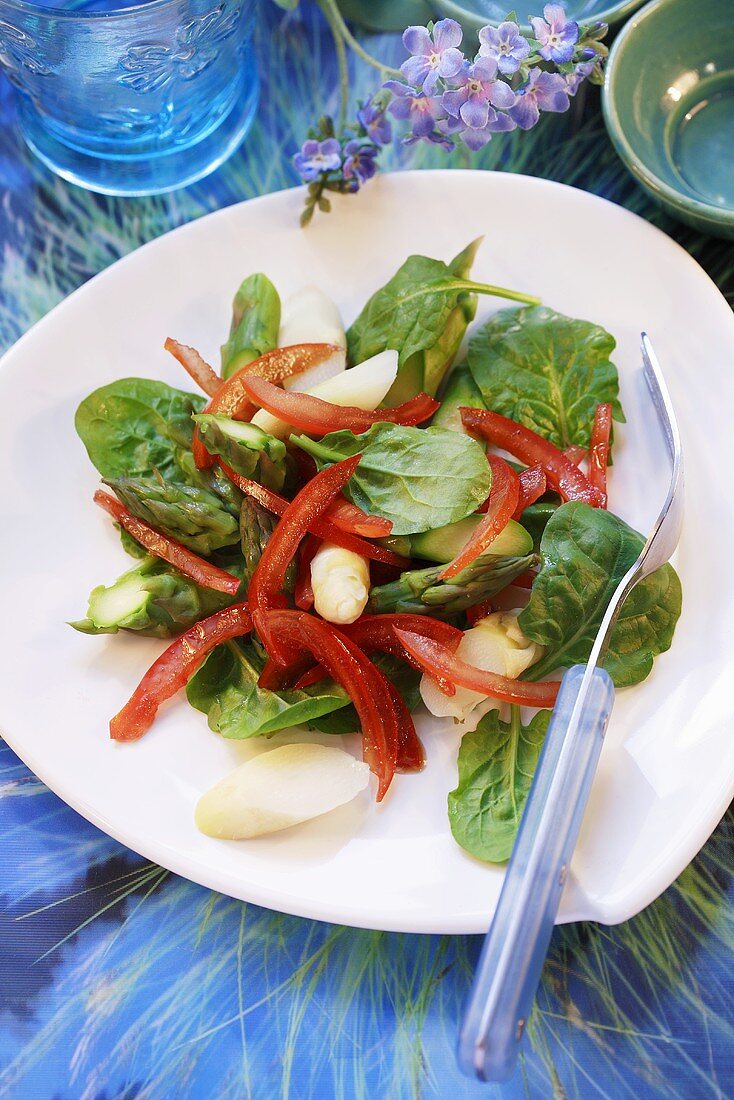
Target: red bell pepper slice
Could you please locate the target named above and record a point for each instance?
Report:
(411, 755)
(503, 498)
(324, 527)
(303, 594)
(531, 448)
(175, 667)
(350, 518)
(204, 375)
(345, 663)
(533, 484)
(232, 399)
(317, 417)
(525, 580)
(475, 614)
(599, 449)
(377, 632)
(266, 583)
(161, 546)
(437, 660)
(575, 454)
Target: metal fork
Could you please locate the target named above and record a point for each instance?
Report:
(517, 942)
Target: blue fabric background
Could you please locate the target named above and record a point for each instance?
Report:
(118, 980)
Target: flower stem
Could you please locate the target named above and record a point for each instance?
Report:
(328, 8)
(346, 35)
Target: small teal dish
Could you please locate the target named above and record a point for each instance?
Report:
(474, 14)
(387, 15)
(669, 108)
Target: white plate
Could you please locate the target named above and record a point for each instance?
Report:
(667, 770)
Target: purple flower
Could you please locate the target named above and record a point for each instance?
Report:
(359, 161)
(543, 92)
(505, 44)
(421, 110)
(556, 34)
(432, 57)
(316, 157)
(372, 117)
(575, 79)
(474, 102)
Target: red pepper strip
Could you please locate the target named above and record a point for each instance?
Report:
(277, 677)
(324, 528)
(372, 632)
(231, 399)
(411, 756)
(575, 454)
(317, 417)
(267, 579)
(204, 375)
(174, 668)
(437, 660)
(503, 500)
(303, 594)
(531, 448)
(599, 449)
(161, 546)
(525, 580)
(478, 612)
(310, 677)
(348, 517)
(306, 467)
(533, 484)
(347, 664)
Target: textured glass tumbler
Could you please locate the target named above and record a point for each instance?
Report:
(136, 100)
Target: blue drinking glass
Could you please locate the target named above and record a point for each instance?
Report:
(131, 100)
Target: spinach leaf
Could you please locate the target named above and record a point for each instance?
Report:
(153, 598)
(419, 478)
(136, 426)
(496, 767)
(406, 680)
(585, 552)
(225, 689)
(460, 389)
(536, 516)
(255, 324)
(422, 312)
(546, 371)
(195, 517)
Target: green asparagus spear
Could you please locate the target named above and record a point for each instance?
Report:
(255, 324)
(193, 516)
(420, 592)
(256, 527)
(153, 598)
(214, 480)
(246, 448)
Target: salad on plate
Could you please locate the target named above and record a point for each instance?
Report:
(344, 526)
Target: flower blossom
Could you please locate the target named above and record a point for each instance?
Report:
(505, 44)
(556, 34)
(433, 57)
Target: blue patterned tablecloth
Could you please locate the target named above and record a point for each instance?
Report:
(119, 980)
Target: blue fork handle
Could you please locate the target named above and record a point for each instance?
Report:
(517, 942)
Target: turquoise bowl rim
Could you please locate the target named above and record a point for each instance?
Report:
(612, 14)
(672, 196)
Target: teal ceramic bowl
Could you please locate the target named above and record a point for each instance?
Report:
(387, 15)
(669, 107)
(473, 14)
